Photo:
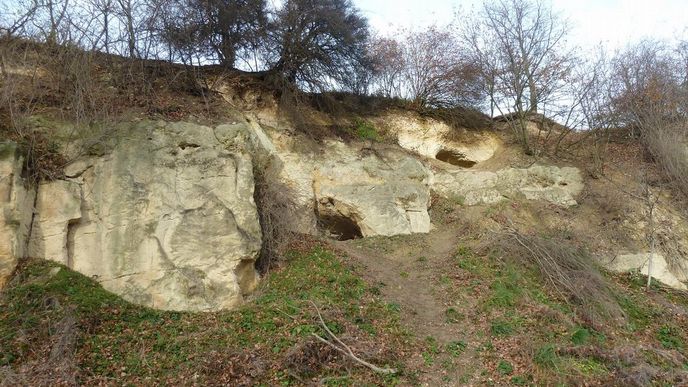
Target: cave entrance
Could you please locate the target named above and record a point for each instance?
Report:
(340, 227)
(454, 158)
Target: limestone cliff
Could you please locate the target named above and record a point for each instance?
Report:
(164, 215)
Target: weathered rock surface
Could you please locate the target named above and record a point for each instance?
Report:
(661, 270)
(383, 193)
(165, 215)
(165, 219)
(349, 189)
(548, 183)
(58, 206)
(433, 139)
(16, 209)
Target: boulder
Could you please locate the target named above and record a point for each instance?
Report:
(437, 140)
(380, 193)
(661, 270)
(16, 209)
(167, 219)
(546, 183)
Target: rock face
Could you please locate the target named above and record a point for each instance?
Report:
(433, 139)
(386, 193)
(548, 183)
(58, 206)
(661, 270)
(166, 219)
(165, 215)
(16, 209)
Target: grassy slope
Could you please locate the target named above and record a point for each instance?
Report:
(269, 341)
(526, 334)
(513, 331)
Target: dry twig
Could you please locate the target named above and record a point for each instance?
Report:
(345, 349)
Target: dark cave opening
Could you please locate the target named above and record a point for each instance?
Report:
(340, 227)
(454, 158)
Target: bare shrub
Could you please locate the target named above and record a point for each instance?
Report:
(651, 97)
(276, 211)
(669, 146)
(569, 270)
(58, 368)
(56, 81)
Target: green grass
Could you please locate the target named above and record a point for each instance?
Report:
(581, 336)
(170, 347)
(365, 130)
(506, 290)
(546, 356)
(641, 313)
(502, 328)
(669, 337)
(456, 348)
(505, 368)
(431, 351)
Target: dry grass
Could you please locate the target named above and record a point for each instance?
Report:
(669, 147)
(570, 271)
(56, 367)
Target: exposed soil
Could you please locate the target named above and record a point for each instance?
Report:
(405, 272)
(409, 271)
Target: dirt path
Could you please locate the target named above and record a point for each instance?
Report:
(409, 272)
(406, 274)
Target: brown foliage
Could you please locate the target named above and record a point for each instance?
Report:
(276, 212)
(239, 369)
(570, 271)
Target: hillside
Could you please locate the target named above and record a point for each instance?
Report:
(225, 239)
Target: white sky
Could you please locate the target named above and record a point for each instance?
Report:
(613, 22)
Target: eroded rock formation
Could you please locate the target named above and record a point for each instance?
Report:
(383, 193)
(16, 210)
(546, 183)
(661, 269)
(165, 216)
(165, 219)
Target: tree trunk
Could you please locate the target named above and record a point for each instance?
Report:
(651, 226)
(533, 96)
(227, 51)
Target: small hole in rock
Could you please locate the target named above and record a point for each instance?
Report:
(185, 145)
(454, 158)
(340, 228)
(563, 184)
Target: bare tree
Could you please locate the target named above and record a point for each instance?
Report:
(388, 64)
(435, 73)
(427, 68)
(105, 9)
(222, 30)
(12, 22)
(597, 111)
(651, 97)
(520, 46)
(317, 42)
(125, 12)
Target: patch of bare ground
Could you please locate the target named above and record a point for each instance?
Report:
(485, 314)
(413, 272)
